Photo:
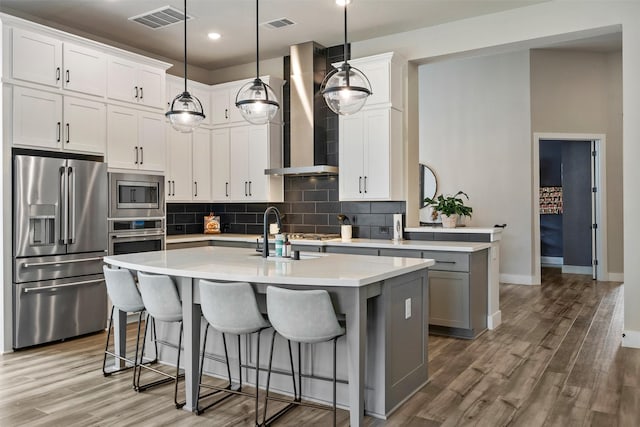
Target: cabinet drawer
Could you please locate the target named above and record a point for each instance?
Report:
(352, 250)
(405, 253)
(448, 261)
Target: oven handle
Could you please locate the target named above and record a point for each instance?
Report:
(70, 261)
(121, 236)
(66, 285)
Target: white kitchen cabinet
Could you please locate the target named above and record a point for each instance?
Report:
(252, 150)
(36, 58)
(52, 121)
(201, 146)
(384, 72)
(201, 91)
(371, 155)
(220, 162)
(136, 140)
(137, 83)
(223, 104)
(179, 184)
(45, 60)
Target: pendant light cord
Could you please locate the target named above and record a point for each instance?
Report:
(346, 64)
(185, 45)
(257, 44)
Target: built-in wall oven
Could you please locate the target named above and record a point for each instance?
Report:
(136, 213)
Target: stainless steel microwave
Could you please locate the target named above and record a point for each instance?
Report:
(136, 196)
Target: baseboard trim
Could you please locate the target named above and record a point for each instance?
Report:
(615, 277)
(577, 269)
(551, 260)
(494, 320)
(517, 279)
(631, 339)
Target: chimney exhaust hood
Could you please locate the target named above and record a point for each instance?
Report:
(308, 113)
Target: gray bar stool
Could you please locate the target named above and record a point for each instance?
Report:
(125, 297)
(303, 317)
(231, 308)
(162, 302)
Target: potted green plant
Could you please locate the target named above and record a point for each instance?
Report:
(450, 208)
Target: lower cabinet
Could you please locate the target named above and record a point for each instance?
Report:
(354, 250)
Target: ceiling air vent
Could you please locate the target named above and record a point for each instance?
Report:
(278, 23)
(160, 18)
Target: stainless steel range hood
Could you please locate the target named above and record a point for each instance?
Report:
(307, 122)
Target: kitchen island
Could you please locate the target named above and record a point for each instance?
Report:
(383, 300)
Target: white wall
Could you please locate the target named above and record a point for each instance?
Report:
(475, 135)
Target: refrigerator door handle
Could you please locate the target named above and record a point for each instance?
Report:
(70, 261)
(64, 205)
(71, 198)
(54, 288)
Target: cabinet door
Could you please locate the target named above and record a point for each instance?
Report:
(152, 142)
(376, 145)
(122, 80)
(258, 161)
(85, 125)
(122, 138)
(220, 165)
(205, 99)
(36, 58)
(449, 299)
(85, 70)
(179, 156)
(234, 112)
(151, 86)
(220, 106)
(239, 155)
(351, 176)
(202, 164)
(37, 118)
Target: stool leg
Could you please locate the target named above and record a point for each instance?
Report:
(257, 374)
(239, 364)
(106, 347)
(135, 359)
(226, 356)
(155, 339)
(293, 373)
(204, 346)
(335, 340)
(135, 366)
(266, 396)
(175, 390)
(299, 372)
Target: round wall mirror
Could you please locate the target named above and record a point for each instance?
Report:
(428, 184)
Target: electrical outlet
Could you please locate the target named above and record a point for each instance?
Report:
(383, 230)
(407, 308)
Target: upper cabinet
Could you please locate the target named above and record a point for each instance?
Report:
(137, 83)
(384, 72)
(223, 104)
(45, 60)
(371, 149)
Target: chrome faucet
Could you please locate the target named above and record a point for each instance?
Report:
(265, 235)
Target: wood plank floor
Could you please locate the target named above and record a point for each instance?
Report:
(555, 361)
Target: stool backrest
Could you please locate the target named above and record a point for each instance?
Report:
(160, 297)
(303, 316)
(231, 307)
(122, 289)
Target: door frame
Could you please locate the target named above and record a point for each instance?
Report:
(601, 199)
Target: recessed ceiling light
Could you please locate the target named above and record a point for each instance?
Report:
(214, 36)
(342, 2)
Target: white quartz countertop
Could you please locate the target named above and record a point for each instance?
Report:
(420, 245)
(240, 264)
(495, 232)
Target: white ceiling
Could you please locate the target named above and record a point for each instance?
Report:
(318, 20)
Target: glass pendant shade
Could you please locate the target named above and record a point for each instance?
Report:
(185, 113)
(257, 102)
(346, 89)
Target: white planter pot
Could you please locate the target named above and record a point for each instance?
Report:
(449, 221)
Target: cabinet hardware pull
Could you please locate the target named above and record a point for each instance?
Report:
(141, 94)
(71, 261)
(196, 193)
(136, 148)
(66, 285)
(68, 133)
(445, 262)
(58, 74)
(226, 189)
(226, 113)
(365, 184)
(360, 184)
(141, 155)
(67, 73)
(59, 130)
(250, 189)
(174, 188)
(245, 189)
(135, 88)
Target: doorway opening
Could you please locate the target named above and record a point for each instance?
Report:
(569, 204)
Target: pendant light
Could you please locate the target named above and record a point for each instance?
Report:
(345, 89)
(186, 111)
(256, 100)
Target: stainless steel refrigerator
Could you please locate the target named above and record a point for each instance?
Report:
(59, 238)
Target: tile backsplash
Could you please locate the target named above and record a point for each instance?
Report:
(311, 206)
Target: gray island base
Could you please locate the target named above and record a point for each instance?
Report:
(383, 301)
